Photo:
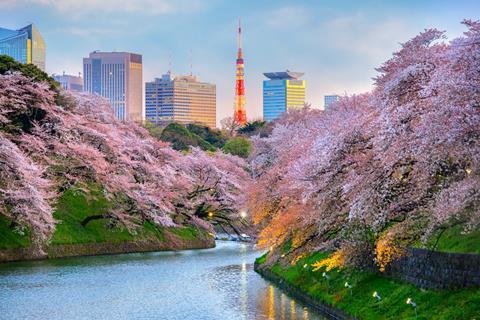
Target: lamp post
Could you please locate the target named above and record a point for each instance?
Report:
(414, 306)
(349, 286)
(327, 277)
(243, 214)
(376, 296)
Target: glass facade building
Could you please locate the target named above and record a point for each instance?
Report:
(116, 76)
(25, 45)
(181, 99)
(283, 91)
(69, 82)
(328, 100)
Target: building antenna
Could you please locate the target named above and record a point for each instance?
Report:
(170, 63)
(239, 33)
(191, 63)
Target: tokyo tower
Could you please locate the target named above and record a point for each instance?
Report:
(240, 114)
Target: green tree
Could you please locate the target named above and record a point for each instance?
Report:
(155, 131)
(251, 127)
(181, 138)
(8, 64)
(238, 146)
(215, 137)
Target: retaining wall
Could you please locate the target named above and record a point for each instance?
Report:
(437, 270)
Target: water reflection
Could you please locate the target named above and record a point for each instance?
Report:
(207, 284)
(274, 304)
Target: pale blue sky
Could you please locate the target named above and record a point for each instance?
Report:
(336, 43)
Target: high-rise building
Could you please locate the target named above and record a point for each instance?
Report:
(328, 100)
(181, 99)
(25, 45)
(283, 91)
(69, 82)
(118, 77)
(240, 112)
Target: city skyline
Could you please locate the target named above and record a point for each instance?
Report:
(337, 45)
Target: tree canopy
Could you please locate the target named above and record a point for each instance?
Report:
(381, 171)
(238, 146)
(181, 138)
(47, 148)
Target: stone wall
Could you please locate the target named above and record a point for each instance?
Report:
(91, 249)
(437, 270)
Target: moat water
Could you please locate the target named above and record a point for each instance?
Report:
(216, 283)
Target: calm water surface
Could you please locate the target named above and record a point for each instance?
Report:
(214, 283)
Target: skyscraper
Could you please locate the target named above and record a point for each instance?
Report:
(25, 45)
(240, 113)
(118, 77)
(328, 100)
(69, 82)
(181, 99)
(283, 91)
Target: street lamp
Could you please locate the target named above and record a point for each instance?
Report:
(210, 214)
(376, 296)
(326, 276)
(413, 304)
(243, 214)
(349, 286)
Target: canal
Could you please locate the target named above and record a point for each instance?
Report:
(216, 283)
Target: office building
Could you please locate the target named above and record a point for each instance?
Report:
(181, 99)
(328, 100)
(69, 82)
(25, 45)
(283, 91)
(116, 76)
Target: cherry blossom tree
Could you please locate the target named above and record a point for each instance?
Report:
(382, 169)
(49, 148)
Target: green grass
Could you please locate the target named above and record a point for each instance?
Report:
(9, 238)
(261, 259)
(185, 233)
(445, 304)
(453, 240)
(74, 206)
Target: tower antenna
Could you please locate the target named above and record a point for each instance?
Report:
(239, 41)
(191, 62)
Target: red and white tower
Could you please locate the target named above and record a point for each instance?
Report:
(240, 114)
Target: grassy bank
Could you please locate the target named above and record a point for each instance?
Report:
(454, 240)
(100, 235)
(9, 239)
(359, 302)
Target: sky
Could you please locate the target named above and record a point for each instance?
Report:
(338, 44)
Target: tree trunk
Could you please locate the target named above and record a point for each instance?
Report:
(94, 217)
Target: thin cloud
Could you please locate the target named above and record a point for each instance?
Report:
(85, 7)
(288, 17)
(357, 34)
